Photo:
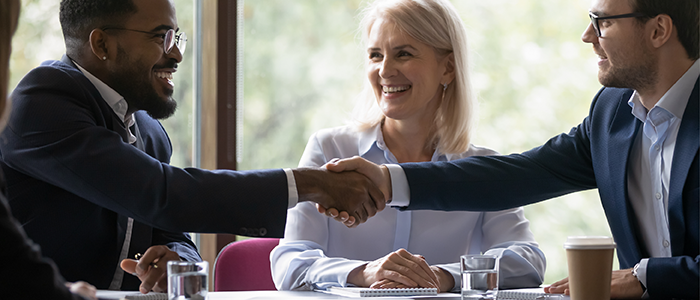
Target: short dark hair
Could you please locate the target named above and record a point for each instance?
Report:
(79, 17)
(685, 15)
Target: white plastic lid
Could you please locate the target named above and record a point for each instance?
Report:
(589, 242)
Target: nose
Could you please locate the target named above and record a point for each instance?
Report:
(387, 68)
(589, 35)
(175, 54)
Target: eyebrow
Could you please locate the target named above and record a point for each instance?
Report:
(400, 47)
(164, 27)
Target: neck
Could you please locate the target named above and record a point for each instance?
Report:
(670, 70)
(408, 141)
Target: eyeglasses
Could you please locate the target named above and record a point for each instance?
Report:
(595, 19)
(170, 38)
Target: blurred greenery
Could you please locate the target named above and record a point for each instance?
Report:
(303, 67)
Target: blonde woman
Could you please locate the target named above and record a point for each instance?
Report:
(25, 274)
(417, 106)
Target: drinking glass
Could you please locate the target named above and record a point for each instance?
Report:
(479, 276)
(187, 280)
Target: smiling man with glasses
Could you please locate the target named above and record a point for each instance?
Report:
(87, 162)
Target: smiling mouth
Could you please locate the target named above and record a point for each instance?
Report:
(395, 89)
(168, 76)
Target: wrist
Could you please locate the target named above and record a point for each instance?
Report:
(356, 277)
(386, 183)
(447, 282)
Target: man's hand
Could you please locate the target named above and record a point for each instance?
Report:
(623, 285)
(349, 192)
(151, 268)
(83, 289)
(378, 174)
(397, 269)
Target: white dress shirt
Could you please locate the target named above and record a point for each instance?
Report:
(649, 170)
(319, 252)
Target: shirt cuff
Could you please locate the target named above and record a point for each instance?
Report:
(642, 275)
(292, 188)
(399, 186)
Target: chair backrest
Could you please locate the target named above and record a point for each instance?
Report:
(245, 266)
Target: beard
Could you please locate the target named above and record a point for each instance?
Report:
(136, 87)
(638, 71)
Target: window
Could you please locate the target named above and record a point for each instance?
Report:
(304, 64)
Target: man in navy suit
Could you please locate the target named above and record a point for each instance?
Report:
(86, 161)
(638, 146)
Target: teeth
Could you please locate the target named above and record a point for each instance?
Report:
(166, 75)
(395, 89)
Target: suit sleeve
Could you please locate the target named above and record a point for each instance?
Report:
(25, 273)
(57, 134)
(560, 166)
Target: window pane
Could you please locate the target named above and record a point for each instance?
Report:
(535, 79)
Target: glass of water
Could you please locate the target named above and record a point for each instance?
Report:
(479, 276)
(187, 280)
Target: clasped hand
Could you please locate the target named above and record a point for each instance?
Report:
(400, 269)
(378, 175)
(151, 268)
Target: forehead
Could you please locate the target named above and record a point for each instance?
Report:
(610, 7)
(385, 31)
(152, 14)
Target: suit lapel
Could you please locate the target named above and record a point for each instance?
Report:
(686, 149)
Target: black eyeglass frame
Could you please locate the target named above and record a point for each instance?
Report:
(178, 39)
(595, 19)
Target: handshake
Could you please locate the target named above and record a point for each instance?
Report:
(350, 190)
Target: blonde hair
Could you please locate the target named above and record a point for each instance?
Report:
(9, 14)
(436, 24)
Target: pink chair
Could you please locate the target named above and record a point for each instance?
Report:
(245, 266)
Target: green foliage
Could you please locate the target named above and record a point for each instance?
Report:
(535, 78)
(303, 67)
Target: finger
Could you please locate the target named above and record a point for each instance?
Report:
(332, 161)
(162, 284)
(418, 269)
(332, 212)
(321, 209)
(129, 265)
(152, 276)
(370, 207)
(84, 289)
(341, 165)
(152, 255)
(342, 216)
(379, 284)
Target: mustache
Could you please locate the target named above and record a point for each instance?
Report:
(170, 64)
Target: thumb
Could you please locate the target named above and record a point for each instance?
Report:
(129, 265)
(348, 164)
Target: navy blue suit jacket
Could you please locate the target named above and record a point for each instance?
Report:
(71, 179)
(594, 154)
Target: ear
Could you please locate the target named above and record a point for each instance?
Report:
(99, 44)
(661, 30)
(449, 63)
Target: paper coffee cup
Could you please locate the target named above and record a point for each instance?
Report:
(590, 266)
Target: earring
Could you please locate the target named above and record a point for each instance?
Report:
(104, 58)
(444, 87)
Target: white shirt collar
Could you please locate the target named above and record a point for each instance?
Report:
(675, 99)
(113, 99)
(373, 137)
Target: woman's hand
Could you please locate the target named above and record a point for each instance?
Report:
(400, 267)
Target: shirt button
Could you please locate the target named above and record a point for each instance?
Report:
(665, 243)
(656, 147)
(658, 196)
